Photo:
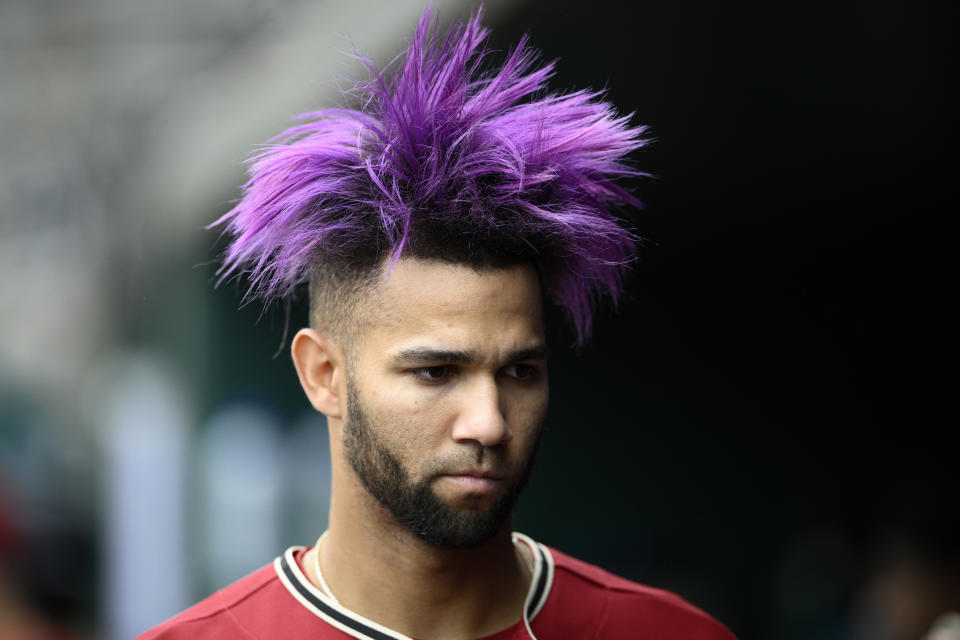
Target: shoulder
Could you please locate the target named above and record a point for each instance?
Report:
(614, 607)
(214, 617)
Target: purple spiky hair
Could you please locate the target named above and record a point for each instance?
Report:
(437, 140)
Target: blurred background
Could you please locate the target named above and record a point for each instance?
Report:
(768, 426)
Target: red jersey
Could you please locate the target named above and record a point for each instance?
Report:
(568, 600)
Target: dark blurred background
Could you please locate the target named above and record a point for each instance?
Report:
(768, 425)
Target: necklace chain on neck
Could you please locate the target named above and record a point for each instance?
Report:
(316, 568)
(519, 547)
(326, 588)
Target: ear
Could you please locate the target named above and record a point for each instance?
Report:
(320, 365)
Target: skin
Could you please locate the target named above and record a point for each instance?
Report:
(452, 376)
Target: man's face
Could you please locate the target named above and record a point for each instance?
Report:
(446, 397)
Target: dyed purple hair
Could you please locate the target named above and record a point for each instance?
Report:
(437, 142)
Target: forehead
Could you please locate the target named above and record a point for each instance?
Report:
(431, 303)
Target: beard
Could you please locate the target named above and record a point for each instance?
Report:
(414, 504)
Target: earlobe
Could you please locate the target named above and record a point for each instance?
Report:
(318, 361)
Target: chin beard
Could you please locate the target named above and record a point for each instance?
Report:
(415, 505)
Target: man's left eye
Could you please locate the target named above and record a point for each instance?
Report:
(520, 371)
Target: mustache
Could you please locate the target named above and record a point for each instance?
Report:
(485, 460)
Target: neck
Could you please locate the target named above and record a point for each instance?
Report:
(379, 570)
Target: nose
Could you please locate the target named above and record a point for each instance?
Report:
(481, 417)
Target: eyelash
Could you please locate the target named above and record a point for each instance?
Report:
(529, 372)
(421, 373)
(526, 372)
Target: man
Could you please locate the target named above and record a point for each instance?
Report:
(429, 222)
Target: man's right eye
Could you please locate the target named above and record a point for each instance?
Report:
(434, 374)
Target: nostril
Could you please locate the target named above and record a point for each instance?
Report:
(486, 428)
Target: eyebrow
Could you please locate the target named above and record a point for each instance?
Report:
(418, 355)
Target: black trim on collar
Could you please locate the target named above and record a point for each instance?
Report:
(541, 584)
(342, 618)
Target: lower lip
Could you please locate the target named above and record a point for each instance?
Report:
(474, 483)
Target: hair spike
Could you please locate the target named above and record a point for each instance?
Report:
(436, 138)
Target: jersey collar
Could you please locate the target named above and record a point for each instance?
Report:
(353, 624)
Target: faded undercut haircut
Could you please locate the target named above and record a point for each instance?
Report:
(441, 156)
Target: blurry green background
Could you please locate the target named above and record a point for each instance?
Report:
(768, 426)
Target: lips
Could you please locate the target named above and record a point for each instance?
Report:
(474, 481)
(477, 474)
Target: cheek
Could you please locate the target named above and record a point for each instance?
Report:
(393, 397)
(410, 424)
(528, 411)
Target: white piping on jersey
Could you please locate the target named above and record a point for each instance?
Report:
(355, 625)
(541, 580)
